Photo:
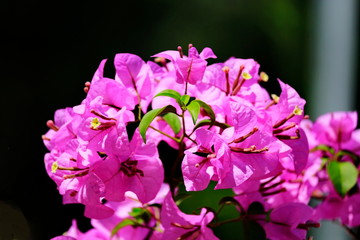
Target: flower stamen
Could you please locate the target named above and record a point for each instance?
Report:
(182, 226)
(251, 149)
(226, 71)
(97, 125)
(162, 61)
(287, 137)
(179, 48)
(237, 85)
(80, 174)
(263, 77)
(280, 130)
(101, 115)
(87, 87)
(50, 124)
(129, 168)
(275, 100)
(265, 194)
(243, 138)
(264, 189)
(296, 111)
(45, 138)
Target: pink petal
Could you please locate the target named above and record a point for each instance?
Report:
(98, 211)
(207, 53)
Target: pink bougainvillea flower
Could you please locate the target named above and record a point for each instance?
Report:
(293, 187)
(333, 207)
(297, 159)
(335, 129)
(289, 221)
(145, 226)
(202, 163)
(133, 74)
(75, 234)
(95, 128)
(330, 208)
(151, 223)
(241, 73)
(189, 68)
(62, 129)
(239, 153)
(286, 111)
(178, 225)
(76, 184)
(63, 238)
(284, 116)
(75, 168)
(262, 156)
(232, 75)
(350, 215)
(285, 187)
(251, 143)
(131, 166)
(248, 193)
(214, 159)
(114, 93)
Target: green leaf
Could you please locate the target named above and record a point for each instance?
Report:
(207, 122)
(194, 110)
(343, 175)
(173, 94)
(141, 215)
(340, 154)
(207, 109)
(150, 116)
(120, 225)
(324, 161)
(173, 120)
(185, 99)
(136, 212)
(323, 147)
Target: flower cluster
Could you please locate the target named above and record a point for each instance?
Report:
(225, 127)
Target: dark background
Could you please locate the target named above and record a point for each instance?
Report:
(49, 50)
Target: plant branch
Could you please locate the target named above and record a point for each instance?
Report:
(165, 134)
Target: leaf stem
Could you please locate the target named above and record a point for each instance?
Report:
(165, 134)
(188, 137)
(214, 225)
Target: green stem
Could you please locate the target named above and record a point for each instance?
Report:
(183, 125)
(188, 137)
(214, 225)
(173, 180)
(220, 209)
(165, 134)
(139, 105)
